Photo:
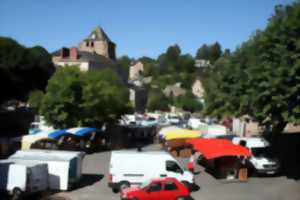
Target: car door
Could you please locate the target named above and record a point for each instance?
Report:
(154, 192)
(170, 190)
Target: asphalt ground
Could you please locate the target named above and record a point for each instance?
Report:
(93, 185)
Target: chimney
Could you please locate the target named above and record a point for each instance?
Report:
(64, 52)
(73, 54)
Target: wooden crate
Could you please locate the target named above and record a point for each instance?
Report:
(243, 174)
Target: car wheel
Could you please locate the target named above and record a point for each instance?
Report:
(16, 194)
(183, 198)
(124, 185)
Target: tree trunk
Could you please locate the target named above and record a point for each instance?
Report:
(278, 127)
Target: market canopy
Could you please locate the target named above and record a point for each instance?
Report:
(82, 131)
(57, 133)
(181, 134)
(214, 148)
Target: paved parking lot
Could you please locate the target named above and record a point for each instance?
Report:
(94, 185)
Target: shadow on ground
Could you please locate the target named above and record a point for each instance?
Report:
(87, 180)
(287, 147)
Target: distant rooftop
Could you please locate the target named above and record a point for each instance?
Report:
(98, 34)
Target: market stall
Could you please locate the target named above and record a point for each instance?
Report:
(221, 156)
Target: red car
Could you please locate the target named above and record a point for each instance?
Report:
(157, 189)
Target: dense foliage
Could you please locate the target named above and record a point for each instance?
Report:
(261, 79)
(22, 69)
(75, 98)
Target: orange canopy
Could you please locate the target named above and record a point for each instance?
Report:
(214, 148)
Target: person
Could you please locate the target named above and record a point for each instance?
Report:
(191, 163)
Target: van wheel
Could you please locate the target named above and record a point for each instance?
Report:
(16, 194)
(115, 190)
(124, 185)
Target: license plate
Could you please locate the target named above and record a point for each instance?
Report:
(271, 172)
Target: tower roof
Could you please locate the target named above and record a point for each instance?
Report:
(98, 34)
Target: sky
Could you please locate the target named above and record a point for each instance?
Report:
(138, 27)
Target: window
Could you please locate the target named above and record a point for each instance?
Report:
(170, 186)
(154, 187)
(87, 44)
(92, 44)
(173, 167)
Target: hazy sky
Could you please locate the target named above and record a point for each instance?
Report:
(138, 27)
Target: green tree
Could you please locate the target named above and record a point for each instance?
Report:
(261, 78)
(203, 52)
(188, 102)
(215, 52)
(35, 100)
(157, 100)
(22, 69)
(75, 98)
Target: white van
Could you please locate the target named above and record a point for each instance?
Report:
(23, 178)
(212, 131)
(134, 168)
(261, 161)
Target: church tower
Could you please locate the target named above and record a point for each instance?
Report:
(98, 42)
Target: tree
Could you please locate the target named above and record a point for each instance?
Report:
(203, 52)
(75, 98)
(261, 78)
(188, 102)
(157, 101)
(35, 100)
(124, 62)
(22, 69)
(215, 52)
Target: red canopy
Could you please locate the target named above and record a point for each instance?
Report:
(214, 148)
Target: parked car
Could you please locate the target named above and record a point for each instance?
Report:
(157, 189)
(194, 123)
(132, 167)
(21, 178)
(262, 160)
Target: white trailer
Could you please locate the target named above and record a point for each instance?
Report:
(64, 166)
(18, 178)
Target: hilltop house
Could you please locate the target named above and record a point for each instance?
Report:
(176, 90)
(197, 89)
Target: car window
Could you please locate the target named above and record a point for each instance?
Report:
(173, 167)
(155, 187)
(170, 186)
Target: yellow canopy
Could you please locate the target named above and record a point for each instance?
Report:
(182, 134)
(28, 140)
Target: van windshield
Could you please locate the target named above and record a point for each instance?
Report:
(173, 167)
(261, 152)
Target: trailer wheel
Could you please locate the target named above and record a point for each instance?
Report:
(16, 194)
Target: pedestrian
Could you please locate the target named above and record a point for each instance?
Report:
(191, 163)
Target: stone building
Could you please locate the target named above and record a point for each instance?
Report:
(197, 89)
(176, 90)
(98, 42)
(135, 70)
(95, 52)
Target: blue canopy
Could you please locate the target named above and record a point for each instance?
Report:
(82, 131)
(57, 133)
